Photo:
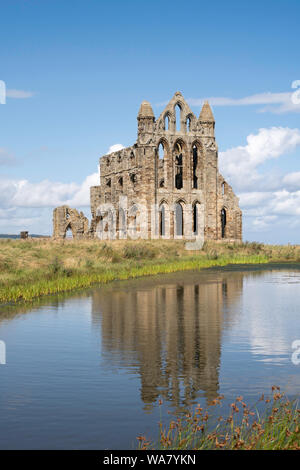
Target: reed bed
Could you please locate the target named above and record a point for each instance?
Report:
(32, 268)
(272, 424)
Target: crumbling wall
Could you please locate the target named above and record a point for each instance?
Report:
(65, 218)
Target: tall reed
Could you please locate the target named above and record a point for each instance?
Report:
(277, 427)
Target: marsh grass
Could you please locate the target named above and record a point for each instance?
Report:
(275, 427)
(31, 268)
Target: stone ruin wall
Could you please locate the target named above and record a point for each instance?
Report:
(65, 218)
(139, 173)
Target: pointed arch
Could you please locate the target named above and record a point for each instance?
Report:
(162, 156)
(196, 164)
(223, 222)
(163, 149)
(69, 232)
(164, 219)
(224, 188)
(178, 115)
(179, 218)
(121, 223)
(179, 145)
(167, 121)
(189, 122)
(106, 219)
(179, 150)
(196, 208)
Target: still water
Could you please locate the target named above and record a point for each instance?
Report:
(87, 371)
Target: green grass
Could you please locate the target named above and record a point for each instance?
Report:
(275, 427)
(32, 268)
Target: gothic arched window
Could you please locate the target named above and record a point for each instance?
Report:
(223, 221)
(167, 122)
(178, 117)
(161, 151)
(195, 163)
(179, 219)
(195, 217)
(188, 124)
(162, 220)
(178, 167)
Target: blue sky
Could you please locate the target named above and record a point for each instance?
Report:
(76, 72)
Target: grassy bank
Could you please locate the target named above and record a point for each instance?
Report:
(31, 268)
(272, 424)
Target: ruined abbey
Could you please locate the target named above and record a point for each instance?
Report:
(166, 185)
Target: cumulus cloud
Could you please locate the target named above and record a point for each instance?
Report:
(239, 164)
(267, 200)
(277, 103)
(35, 220)
(22, 193)
(253, 199)
(280, 202)
(292, 180)
(28, 206)
(261, 223)
(81, 196)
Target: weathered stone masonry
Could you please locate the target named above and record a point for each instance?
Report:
(173, 164)
(65, 218)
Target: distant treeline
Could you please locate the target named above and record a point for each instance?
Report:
(33, 235)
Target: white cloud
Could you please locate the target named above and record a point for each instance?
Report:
(115, 148)
(22, 193)
(35, 220)
(292, 180)
(275, 102)
(271, 211)
(28, 206)
(261, 223)
(19, 94)
(253, 199)
(82, 195)
(239, 164)
(269, 202)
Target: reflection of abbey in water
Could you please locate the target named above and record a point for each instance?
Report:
(170, 333)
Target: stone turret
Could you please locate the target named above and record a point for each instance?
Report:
(207, 120)
(206, 113)
(146, 120)
(146, 110)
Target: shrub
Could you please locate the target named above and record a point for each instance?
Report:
(212, 255)
(139, 251)
(55, 266)
(89, 264)
(7, 264)
(106, 250)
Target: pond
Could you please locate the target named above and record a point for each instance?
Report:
(86, 371)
